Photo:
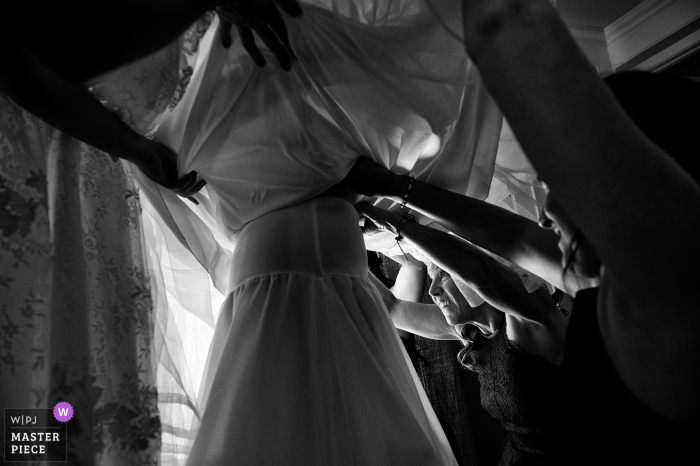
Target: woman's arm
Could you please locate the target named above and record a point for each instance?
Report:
(500, 286)
(425, 320)
(71, 108)
(503, 233)
(410, 281)
(121, 31)
(639, 209)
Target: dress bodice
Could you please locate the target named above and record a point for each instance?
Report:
(519, 389)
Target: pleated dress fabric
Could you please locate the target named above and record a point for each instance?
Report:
(309, 368)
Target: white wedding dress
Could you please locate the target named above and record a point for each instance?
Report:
(305, 367)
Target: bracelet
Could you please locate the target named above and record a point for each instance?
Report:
(405, 218)
(408, 192)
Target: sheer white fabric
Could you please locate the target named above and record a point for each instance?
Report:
(310, 369)
(376, 78)
(182, 299)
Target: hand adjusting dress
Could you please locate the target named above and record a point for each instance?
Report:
(305, 367)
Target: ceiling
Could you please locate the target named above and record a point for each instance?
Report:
(594, 13)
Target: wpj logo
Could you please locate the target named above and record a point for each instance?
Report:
(37, 434)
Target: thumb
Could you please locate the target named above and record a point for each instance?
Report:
(369, 227)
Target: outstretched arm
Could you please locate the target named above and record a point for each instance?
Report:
(410, 281)
(500, 286)
(101, 39)
(70, 108)
(638, 209)
(425, 320)
(503, 233)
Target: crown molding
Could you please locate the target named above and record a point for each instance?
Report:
(671, 55)
(650, 29)
(637, 16)
(588, 34)
(593, 44)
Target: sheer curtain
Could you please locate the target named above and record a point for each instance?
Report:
(184, 301)
(75, 300)
(77, 282)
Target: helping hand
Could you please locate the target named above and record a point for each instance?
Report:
(371, 179)
(379, 219)
(160, 164)
(263, 17)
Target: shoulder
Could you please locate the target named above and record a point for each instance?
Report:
(540, 340)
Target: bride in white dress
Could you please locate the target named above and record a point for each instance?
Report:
(305, 366)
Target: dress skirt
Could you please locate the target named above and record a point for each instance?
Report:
(306, 367)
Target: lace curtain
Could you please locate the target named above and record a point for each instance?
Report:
(75, 307)
(77, 294)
